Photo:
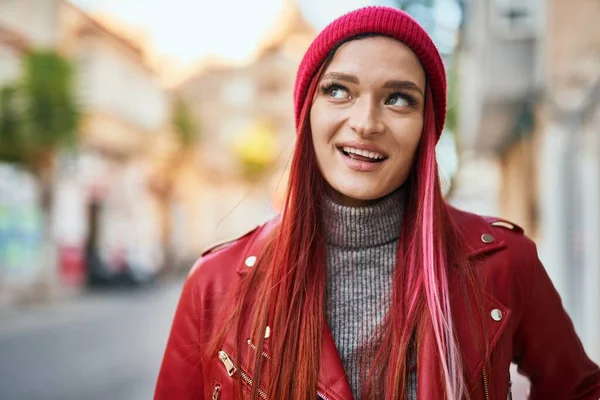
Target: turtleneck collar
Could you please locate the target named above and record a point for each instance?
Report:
(367, 226)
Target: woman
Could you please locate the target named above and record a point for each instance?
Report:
(369, 285)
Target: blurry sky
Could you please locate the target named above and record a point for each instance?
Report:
(191, 29)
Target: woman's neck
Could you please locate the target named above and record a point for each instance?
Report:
(364, 226)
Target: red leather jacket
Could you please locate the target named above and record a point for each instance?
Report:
(525, 320)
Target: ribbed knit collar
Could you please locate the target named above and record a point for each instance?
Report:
(367, 226)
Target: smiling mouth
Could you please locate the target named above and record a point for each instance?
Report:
(362, 155)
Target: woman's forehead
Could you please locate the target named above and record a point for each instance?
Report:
(377, 57)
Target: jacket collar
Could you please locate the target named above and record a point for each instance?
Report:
(477, 233)
(258, 239)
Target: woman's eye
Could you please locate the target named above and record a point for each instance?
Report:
(398, 99)
(337, 93)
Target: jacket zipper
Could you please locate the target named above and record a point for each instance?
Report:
(216, 390)
(229, 366)
(232, 369)
(509, 387)
(253, 347)
(486, 389)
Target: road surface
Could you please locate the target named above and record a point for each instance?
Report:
(100, 346)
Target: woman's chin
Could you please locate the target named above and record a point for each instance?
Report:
(357, 196)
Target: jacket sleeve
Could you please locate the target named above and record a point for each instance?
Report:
(548, 351)
(180, 376)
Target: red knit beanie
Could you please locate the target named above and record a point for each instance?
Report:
(386, 21)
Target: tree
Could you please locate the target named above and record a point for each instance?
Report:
(39, 116)
(184, 125)
(52, 114)
(11, 146)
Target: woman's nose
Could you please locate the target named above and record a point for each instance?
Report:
(364, 118)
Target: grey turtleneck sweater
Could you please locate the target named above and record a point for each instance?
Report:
(361, 254)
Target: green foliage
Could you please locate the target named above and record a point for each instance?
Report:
(184, 125)
(453, 97)
(11, 146)
(40, 114)
(52, 114)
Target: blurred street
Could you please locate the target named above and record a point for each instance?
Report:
(98, 347)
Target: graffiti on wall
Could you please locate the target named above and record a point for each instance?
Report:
(21, 229)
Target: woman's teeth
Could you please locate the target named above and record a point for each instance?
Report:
(364, 153)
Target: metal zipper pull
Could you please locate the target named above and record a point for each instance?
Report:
(216, 391)
(486, 389)
(253, 347)
(229, 366)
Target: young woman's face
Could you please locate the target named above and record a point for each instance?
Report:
(367, 118)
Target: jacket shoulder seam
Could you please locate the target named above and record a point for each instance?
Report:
(223, 244)
(505, 224)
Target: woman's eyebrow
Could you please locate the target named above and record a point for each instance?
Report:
(342, 77)
(403, 85)
(393, 84)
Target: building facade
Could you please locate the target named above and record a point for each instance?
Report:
(105, 219)
(245, 113)
(529, 103)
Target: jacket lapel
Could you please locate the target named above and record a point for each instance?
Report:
(476, 330)
(475, 335)
(479, 334)
(333, 382)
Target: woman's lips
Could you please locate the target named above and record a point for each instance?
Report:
(360, 163)
(365, 149)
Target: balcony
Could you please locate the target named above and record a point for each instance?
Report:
(498, 75)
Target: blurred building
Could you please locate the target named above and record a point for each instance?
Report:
(21, 221)
(125, 112)
(529, 122)
(105, 218)
(19, 225)
(245, 117)
(12, 46)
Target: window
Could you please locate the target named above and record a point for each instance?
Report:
(515, 19)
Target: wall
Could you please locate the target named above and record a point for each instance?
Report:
(10, 65)
(21, 228)
(111, 83)
(37, 20)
